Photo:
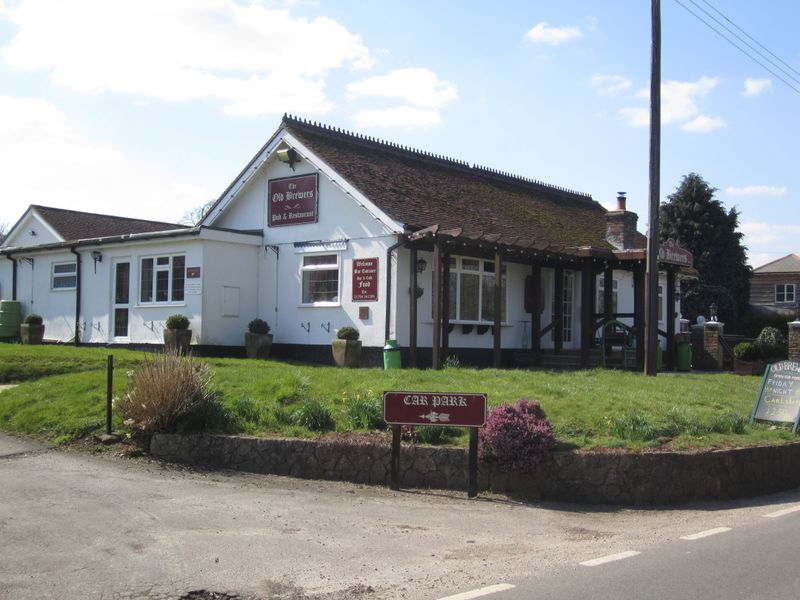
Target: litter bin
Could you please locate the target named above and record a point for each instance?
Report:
(391, 355)
(684, 356)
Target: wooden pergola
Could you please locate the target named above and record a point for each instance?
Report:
(589, 261)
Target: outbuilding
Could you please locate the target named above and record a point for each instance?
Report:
(325, 228)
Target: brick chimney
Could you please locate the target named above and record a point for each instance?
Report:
(621, 226)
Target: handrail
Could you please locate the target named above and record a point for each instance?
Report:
(726, 347)
(627, 340)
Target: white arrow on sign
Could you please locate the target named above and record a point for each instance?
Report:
(433, 417)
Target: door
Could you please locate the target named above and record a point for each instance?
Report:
(120, 309)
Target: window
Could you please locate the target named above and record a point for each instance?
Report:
(601, 286)
(472, 290)
(784, 292)
(320, 279)
(65, 276)
(161, 279)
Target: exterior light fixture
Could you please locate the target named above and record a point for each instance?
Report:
(421, 265)
(97, 256)
(288, 155)
(712, 311)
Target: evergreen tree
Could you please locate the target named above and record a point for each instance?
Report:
(700, 224)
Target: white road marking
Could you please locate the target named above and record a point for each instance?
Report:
(780, 513)
(706, 533)
(610, 558)
(485, 591)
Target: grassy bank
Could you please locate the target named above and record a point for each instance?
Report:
(62, 396)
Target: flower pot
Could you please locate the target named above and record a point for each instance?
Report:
(177, 341)
(258, 345)
(748, 367)
(346, 353)
(31, 334)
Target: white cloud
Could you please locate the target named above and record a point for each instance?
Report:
(58, 164)
(610, 85)
(398, 117)
(542, 33)
(703, 124)
(254, 59)
(770, 233)
(754, 87)
(679, 104)
(756, 190)
(420, 87)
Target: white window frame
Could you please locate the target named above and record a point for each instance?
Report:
(785, 293)
(456, 271)
(601, 284)
(73, 274)
(315, 268)
(156, 269)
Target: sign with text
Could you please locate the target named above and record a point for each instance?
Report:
(779, 397)
(365, 279)
(434, 408)
(673, 253)
(293, 200)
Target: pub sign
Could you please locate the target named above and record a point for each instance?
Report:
(365, 279)
(293, 200)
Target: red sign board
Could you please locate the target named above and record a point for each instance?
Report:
(673, 253)
(293, 200)
(365, 279)
(434, 408)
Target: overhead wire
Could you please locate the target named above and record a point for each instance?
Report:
(735, 45)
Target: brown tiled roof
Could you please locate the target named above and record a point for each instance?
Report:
(419, 190)
(76, 225)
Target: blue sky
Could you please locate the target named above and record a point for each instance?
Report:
(150, 108)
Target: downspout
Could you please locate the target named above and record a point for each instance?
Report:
(389, 252)
(77, 295)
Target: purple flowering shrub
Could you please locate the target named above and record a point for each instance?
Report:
(516, 437)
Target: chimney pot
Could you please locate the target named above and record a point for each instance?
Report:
(620, 200)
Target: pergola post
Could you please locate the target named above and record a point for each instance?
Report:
(638, 312)
(413, 312)
(498, 311)
(536, 315)
(608, 293)
(670, 320)
(587, 289)
(558, 311)
(436, 348)
(445, 304)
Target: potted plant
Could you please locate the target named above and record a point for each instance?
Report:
(177, 335)
(258, 339)
(31, 331)
(747, 359)
(346, 347)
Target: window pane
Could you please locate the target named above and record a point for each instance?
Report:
(327, 259)
(121, 322)
(146, 281)
(66, 268)
(162, 286)
(62, 282)
(321, 286)
(178, 276)
(452, 298)
(469, 296)
(470, 264)
(162, 260)
(122, 283)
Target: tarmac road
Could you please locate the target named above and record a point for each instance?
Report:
(78, 525)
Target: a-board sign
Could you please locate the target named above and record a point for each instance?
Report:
(778, 399)
(434, 408)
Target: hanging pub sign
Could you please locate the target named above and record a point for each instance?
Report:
(293, 200)
(673, 253)
(365, 279)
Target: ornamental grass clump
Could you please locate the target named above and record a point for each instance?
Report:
(164, 389)
(516, 437)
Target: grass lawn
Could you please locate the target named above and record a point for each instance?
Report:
(61, 396)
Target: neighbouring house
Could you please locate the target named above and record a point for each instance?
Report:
(325, 228)
(775, 285)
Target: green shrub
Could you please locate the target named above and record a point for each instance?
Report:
(247, 411)
(633, 425)
(771, 343)
(208, 415)
(33, 319)
(314, 415)
(430, 434)
(258, 326)
(348, 333)
(746, 351)
(177, 322)
(452, 362)
(517, 437)
(163, 389)
(365, 412)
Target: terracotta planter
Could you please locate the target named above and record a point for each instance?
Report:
(346, 353)
(31, 334)
(748, 367)
(258, 345)
(177, 341)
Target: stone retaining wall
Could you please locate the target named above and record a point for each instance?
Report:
(613, 477)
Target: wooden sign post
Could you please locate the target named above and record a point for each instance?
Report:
(439, 409)
(778, 399)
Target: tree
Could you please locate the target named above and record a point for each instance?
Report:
(700, 224)
(3, 231)
(194, 216)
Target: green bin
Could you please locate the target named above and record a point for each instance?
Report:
(391, 355)
(684, 356)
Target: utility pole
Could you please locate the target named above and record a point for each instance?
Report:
(651, 279)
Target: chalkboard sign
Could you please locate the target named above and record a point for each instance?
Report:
(778, 399)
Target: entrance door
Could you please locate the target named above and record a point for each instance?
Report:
(121, 304)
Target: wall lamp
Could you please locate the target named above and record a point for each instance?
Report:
(421, 265)
(288, 155)
(97, 257)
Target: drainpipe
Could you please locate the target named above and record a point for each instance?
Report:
(77, 295)
(389, 252)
